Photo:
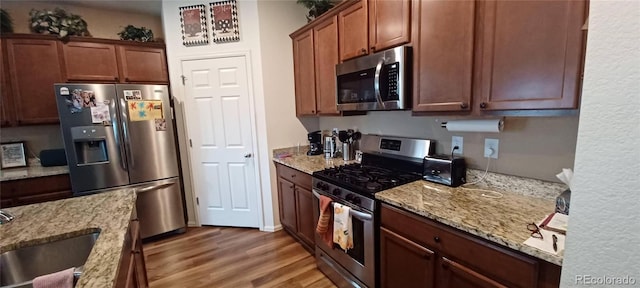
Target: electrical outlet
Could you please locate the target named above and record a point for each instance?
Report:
(456, 141)
(491, 148)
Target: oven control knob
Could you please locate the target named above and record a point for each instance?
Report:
(356, 200)
(336, 192)
(322, 186)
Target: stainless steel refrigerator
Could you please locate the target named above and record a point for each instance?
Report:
(120, 136)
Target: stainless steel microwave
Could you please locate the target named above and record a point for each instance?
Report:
(379, 81)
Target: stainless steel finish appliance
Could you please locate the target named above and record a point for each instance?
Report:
(379, 81)
(445, 169)
(355, 185)
(122, 136)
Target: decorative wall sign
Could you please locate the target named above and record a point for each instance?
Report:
(224, 21)
(193, 21)
(13, 155)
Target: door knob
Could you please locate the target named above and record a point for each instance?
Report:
(248, 155)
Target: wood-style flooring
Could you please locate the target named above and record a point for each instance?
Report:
(231, 257)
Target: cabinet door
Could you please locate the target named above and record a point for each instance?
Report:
(287, 197)
(5, 104)
(353, 31)
(138, 256)
(142, 64)
(34, 66)
(443, 58)
(455, 275)
(306, 221)
(90, 62)
(325, 35)
(304, 70)
(531, 55)
(403, 263)
(389, 23)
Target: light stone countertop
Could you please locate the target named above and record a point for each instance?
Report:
(307, 164)
(502, 221)
(32, 171)
(499, 220)
(108, 212)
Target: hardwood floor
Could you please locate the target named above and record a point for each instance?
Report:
(231, 257)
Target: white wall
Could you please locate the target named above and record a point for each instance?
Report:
(101, 23)
(604, 232)
(277, 20)
(529, 147)
(272, 74)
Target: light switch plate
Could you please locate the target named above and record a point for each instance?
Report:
(491, 148)
(457, 141)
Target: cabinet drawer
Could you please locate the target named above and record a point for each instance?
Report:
(39, 185)
(299, 178)
(501, 264)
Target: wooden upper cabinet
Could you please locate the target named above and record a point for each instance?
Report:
(325, 35)
(86, 61)
(389, 23)
(142, 64)
(5, 116)
(443, 56)
(304, 73)
(531, 53)
(35, 67)
(353, 28)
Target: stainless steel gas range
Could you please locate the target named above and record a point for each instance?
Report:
(386, 162)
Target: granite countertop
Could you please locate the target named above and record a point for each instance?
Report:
(108, 212)
(500, 220)
(304, 163)
(32, 171)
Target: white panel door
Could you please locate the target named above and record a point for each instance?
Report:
(219, 125)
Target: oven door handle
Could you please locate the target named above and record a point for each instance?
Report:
(353, 212)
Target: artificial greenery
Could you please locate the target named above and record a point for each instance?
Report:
(317, 7)
(133, 33)
(6, 24)
(58, 22)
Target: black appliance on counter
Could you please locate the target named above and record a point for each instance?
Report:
(315, 143)
(443, 169)
(387, 162)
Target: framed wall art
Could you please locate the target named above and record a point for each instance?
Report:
(13, 155)
(224, 21)
(193, 21)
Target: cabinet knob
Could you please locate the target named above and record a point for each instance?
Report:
(313, 111)
(117, 79)
(293, 176)
(126, 79)
(373, 49)
(464, 105)
(364, 51)
(437, 239)
(291, 187)
(483, 105)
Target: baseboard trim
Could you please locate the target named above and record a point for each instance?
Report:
(192, 224)
(271, 228)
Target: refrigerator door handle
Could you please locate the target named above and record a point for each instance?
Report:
(125, 132)
(155, 187)
(116, 131)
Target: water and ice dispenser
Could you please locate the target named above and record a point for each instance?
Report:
(90, 144)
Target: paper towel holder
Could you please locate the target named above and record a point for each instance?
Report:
(477, 125)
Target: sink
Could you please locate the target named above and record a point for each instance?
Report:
(21, 266)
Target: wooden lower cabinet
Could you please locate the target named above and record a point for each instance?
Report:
(404, 263)
(295, 200)
(414, 249)
(35, 190)
(132, 272)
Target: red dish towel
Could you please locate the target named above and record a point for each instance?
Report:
(62, 279)
(325, 225)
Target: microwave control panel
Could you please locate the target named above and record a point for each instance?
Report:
(393, 74)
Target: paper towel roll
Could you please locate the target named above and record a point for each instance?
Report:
(489, 125)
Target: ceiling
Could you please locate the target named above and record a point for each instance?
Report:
(153, 7)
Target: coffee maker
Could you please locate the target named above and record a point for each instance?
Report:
(315, 143)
